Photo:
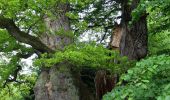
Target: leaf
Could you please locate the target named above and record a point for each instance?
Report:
(144, 86)
(130, 71)
(150, 69)
(145, 81)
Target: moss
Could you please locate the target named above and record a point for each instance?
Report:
(64, 33)
(63, 69)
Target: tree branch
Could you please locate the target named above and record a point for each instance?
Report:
(25, 56)
(21, 36)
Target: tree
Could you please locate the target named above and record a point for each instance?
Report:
(149, 78)
(130, 36)
(52, 82)
(46, 27)
(57, 82)
(134, 39)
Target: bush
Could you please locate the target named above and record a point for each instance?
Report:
(148, 80)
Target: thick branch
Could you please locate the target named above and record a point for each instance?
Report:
(22, 36)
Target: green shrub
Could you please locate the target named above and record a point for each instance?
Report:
(148, 80)
(91, 55)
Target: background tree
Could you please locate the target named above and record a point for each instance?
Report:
(149, 78)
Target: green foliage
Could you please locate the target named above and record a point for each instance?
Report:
(7, 68)
(62, 32)
(140, 10)
(159, 43)
(90, 55)
(7, 43)
(158, 26)
(157, 9)
(14, 91)
(159, 15)
(11, 94)
(9, 60)
(148, 80)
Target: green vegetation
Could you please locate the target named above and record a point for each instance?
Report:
(88, 55)
(149, 79)
(144, 79)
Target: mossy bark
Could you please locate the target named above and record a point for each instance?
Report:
(56, 83)
(59, 82)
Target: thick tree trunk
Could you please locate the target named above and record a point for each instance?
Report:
(134, 37)
(130, 40)
(56, 83)
(59, 82)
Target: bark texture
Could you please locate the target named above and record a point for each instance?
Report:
(56, 37)
(134, 37)
(59, 82)
(104, 83)
(56, 83)
(116, 37)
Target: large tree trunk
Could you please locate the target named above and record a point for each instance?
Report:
(59, 82)
(56, 82)
(134, 37)
(131, 40)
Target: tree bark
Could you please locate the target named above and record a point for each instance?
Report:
(134, 37)
(59, 82)
(56, 83)
(115, 37)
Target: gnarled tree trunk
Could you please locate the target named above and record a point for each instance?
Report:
(130, 40)
(134, 37)
(56, 83)
(59, 82)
